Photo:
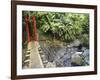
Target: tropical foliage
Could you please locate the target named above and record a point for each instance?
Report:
(63, 26)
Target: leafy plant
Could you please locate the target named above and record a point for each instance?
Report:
(62, 26)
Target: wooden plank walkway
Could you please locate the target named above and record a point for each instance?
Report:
(35, 59)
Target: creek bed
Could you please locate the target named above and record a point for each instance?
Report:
(57, 54)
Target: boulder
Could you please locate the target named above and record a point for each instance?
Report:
(75, 43)
(76, 59)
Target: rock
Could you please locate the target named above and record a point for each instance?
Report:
(86, 52)
(78, 53)
(77, 59)
(67, 61)
(75, 43)
(86, 57)
(41, 52)
(45, 61)
(49, 65)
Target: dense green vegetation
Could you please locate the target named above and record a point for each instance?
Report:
(65, 27)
